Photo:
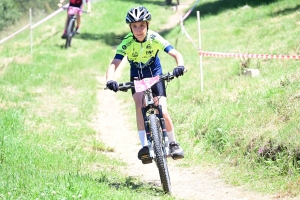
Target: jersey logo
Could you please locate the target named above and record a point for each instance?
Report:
(134, 54)
(149, 52)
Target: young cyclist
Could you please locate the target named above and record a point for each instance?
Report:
(141, 47)
(78, 4)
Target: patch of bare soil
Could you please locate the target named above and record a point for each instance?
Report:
(187, 183)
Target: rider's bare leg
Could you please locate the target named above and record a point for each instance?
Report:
(175, 150)
(65, 29)
(138, 97)
(78, 21)
(168, 121)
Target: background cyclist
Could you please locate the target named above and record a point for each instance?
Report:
(141, 47)
(78, 4)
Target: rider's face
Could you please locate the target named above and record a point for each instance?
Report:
(139, 30)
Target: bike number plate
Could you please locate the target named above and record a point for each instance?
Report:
(72, 10)
(144, 84)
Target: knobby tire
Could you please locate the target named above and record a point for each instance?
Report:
(161, 156)
(70, 30)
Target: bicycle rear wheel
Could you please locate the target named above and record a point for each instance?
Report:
(161, 155)
(70, 31)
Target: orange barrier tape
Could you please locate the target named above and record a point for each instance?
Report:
(238, 55)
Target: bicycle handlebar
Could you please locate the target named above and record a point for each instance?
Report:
(77, 9)
(127, 85)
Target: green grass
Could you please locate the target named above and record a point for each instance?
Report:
(235, 116)
(48, 100)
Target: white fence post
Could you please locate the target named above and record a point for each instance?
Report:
(30, 18)
(199, 36)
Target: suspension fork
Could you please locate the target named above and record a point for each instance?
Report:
(148, 134)
(163, 128)
(71, 18)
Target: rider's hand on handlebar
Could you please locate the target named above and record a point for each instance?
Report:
(178, 71)
(112, 85)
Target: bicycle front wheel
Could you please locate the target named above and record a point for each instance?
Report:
(161, 155)
(70, 30)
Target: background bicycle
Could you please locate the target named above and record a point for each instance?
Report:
(70, 31)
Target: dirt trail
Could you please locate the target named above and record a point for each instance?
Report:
(187, 183)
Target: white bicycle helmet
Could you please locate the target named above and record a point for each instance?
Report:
(138, 14)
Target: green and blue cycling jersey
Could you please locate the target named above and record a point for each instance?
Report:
(143, 56)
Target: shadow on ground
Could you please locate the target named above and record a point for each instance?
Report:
(130, 183)
(214, 8)
(287, 11)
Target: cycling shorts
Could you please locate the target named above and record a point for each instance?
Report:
(158, 89)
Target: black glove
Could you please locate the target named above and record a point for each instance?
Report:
(112, 85)
(178, 71)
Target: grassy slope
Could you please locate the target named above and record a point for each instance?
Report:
(236, 116)
(48, 102)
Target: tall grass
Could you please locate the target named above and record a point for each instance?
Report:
(48, 147)
(250, 124)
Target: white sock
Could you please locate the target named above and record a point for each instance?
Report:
(143, 138)
(171, 136)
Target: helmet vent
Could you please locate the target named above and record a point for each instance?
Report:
(138, 14)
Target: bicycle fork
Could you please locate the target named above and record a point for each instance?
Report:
(72, 20)
(165, 140)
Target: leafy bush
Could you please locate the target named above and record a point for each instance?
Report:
(12, 10)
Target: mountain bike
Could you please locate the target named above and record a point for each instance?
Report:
(154, 125)
(72, 15)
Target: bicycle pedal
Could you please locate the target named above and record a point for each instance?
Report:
(147, 161)
(177, 157)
